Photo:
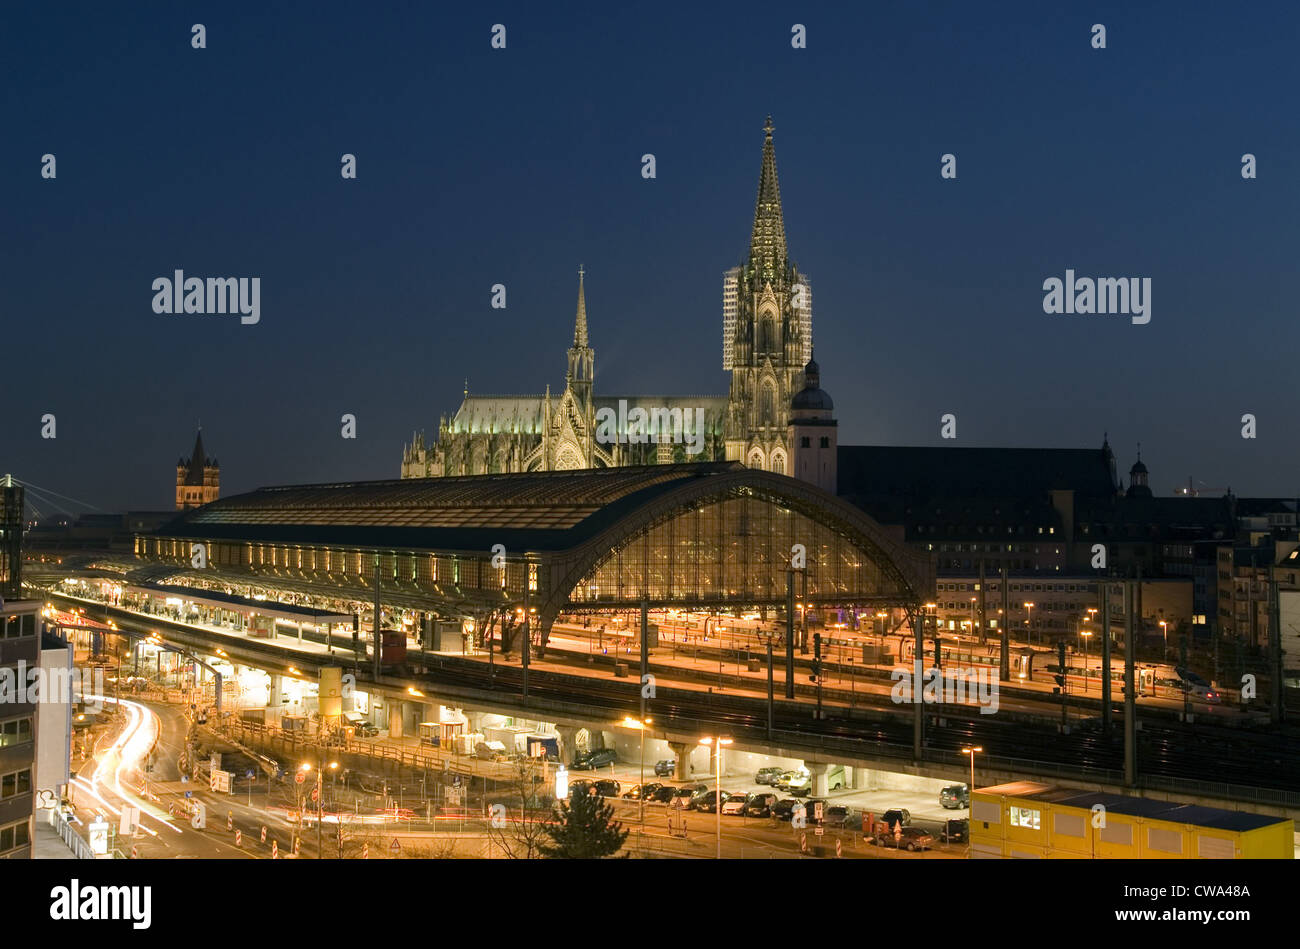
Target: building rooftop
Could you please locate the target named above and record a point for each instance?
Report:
(1133, 806)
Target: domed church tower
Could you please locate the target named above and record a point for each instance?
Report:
(813, 446)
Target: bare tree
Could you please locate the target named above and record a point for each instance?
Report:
(519, 832)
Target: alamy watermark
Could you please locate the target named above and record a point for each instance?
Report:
(659, 424)
(182, 294)
(58, 685)
(1084, 295)
(956, 686)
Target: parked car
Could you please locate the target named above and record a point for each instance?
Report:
(768, 775)
(784, 808)
(577, 788)
(909, 838)
(783, 780)
(841, 815)
(640, 791)
(664, 794)
(800, 785)
(956, 830)
(600, 758)
(760, 804)
(685, 796)
(665, 768)
(896, 815)
(955, 796)
(708, 801)
(607, 787)
(734, 804)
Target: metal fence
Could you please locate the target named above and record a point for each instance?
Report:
(76, 843)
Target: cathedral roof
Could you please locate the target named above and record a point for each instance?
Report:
(499, 413)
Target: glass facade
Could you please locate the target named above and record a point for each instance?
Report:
(736, 550)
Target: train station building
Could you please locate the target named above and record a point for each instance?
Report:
(491, 549)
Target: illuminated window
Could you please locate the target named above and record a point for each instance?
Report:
(1026, 817)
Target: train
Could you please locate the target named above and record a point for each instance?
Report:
(1083, 672)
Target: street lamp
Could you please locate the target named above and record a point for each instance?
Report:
(640, 726)
(1164, 629)
(970, 789)
(1029, 622)
(1085, 634)
(717, 790)
(320, 799)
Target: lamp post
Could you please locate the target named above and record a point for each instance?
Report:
(971, 750)
(320, 798)
(717, 744)
(640, 725)
(1029, 623)
(1164, 630)
(1085, 633)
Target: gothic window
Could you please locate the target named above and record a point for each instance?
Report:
(778, 464)
(767, 405)
(756, 459)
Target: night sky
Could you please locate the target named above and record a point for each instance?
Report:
(479, 166)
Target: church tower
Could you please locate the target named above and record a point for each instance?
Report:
(814, 447)
(198, 480)
(767, 333)
(570, 427)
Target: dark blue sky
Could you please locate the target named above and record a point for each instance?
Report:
(479, 166)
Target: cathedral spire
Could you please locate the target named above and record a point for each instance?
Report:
(767, 251)
(580, 323)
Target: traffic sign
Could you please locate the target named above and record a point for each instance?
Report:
(300, 777)
(189, 794)
(250, 774)
(395, 847)
(315, 794)
(819, 831)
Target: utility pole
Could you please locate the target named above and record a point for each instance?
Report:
(1105, 656)
(817, 670)
(378, 634)
(1064, 680)
(770, 684)
(528, 628)
(1277, 710)
(1130, 689)
(983, 593)
(1005, 627)
(918, 662)
(803, 616)
(645, 655)
(789, 634)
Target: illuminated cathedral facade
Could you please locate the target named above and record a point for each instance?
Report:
(766, 343)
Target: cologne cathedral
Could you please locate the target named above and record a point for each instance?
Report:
(766, 342)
